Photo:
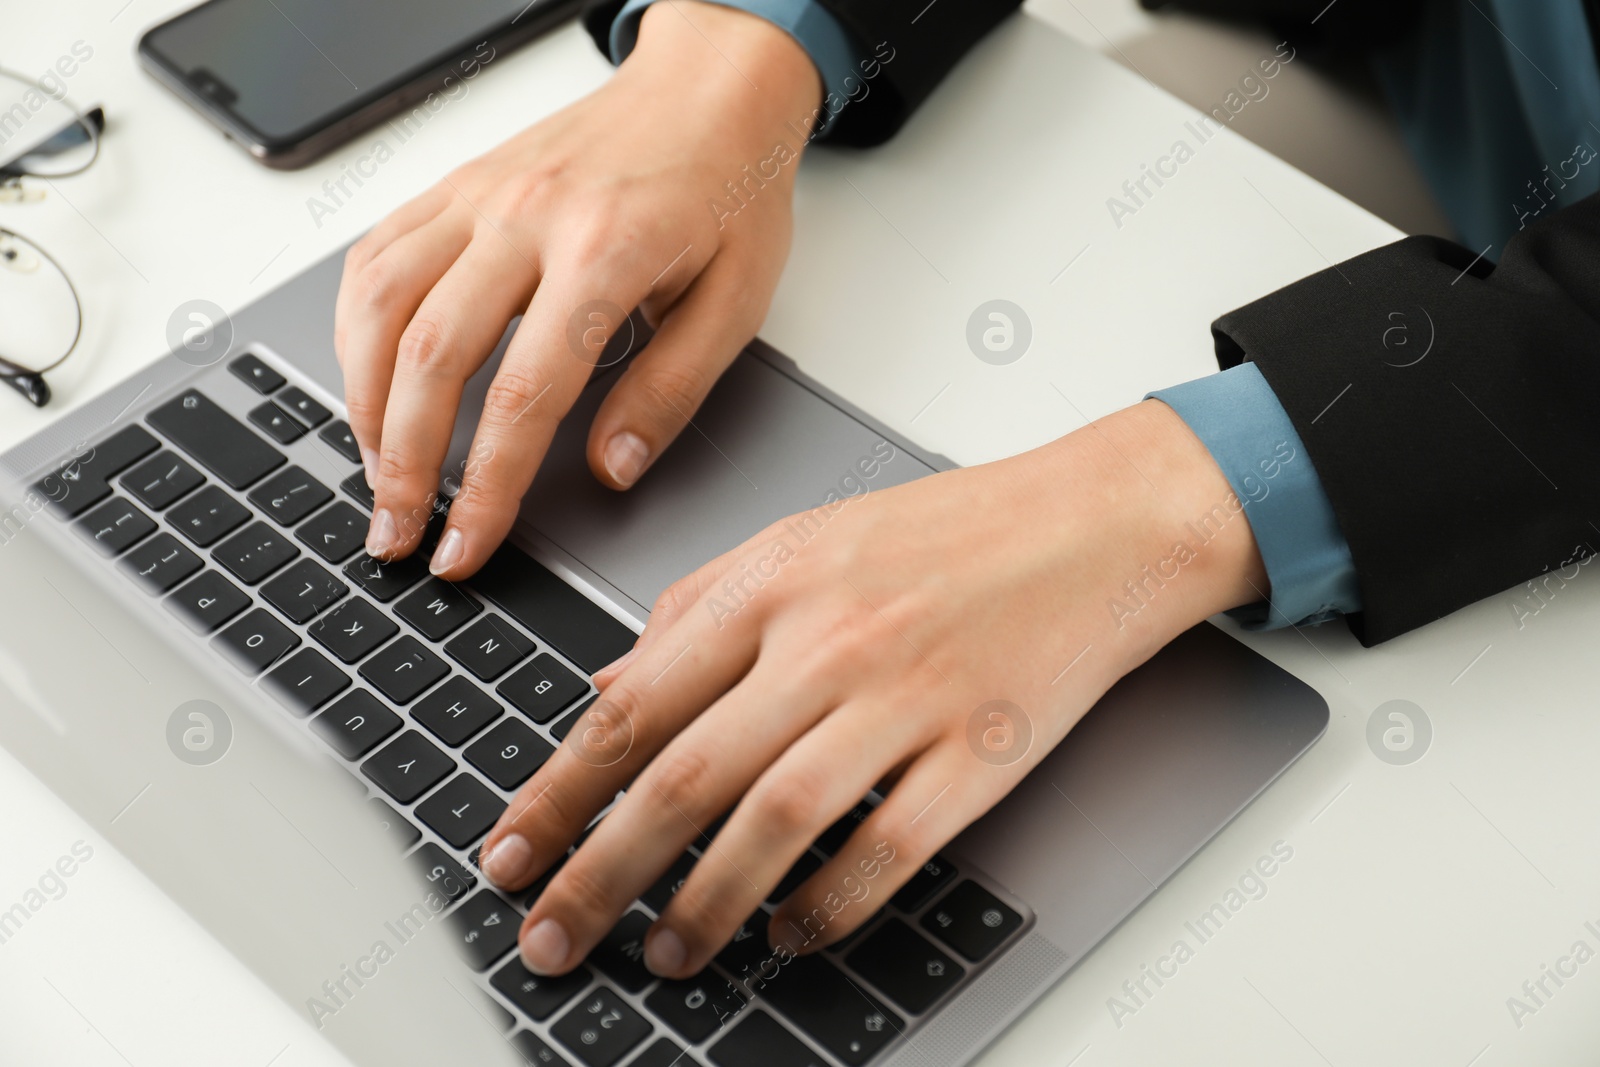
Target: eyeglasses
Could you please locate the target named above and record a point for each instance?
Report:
(42, 138)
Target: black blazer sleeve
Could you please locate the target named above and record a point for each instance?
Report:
(913, 44)
(1346, 25)
(1463, 461)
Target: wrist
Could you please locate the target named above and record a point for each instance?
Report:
(739, 65)
(1170, 538)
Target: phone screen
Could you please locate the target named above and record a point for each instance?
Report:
(284, 67)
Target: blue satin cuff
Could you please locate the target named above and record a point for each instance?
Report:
(1244, 427)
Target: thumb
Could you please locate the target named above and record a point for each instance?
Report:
(673, 603)
(665, 385)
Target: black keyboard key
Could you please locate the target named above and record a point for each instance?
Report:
(489, 647)
(462, 811)
(620, 954)
(509, 754)
(386, 579)
(442, 873)
(487, 927)
(208, 516)
(539, 996)
(281, 426)
(83, 481)
(844, 943)
(435, 525)
(834, 1012)
(661, 892)
(601, 1029)
(335, 533)
(531, 894)
(394, 825)
(114, 527)
(747, 955)
(254, 552)
(357, 488)
(356, 725)
(551, 609)
(403, 670)
(162, 479)
(305, 681)
(834, 837)
(472, 861)
(760, 1041)
(663, 1053)
(971, 920)
(298, 403)
(207, 602)
(542, 689)
(303, 591)
(338, 436)
(437, 608)
(561, 729)
(803, 868)
(934, 876)
(160, 563)
(909, 970)
(290, 495)
(696, 1007)
(255, 642)
(535, 1051)
(455, 711)
(504, 1018)
(215, 439)
(256, 374)
(352, 630)
(408, 767)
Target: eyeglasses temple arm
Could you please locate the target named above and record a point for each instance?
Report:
(29, 383)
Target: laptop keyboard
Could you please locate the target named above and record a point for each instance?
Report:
(444, 699)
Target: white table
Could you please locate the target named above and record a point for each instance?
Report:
(1419, 897)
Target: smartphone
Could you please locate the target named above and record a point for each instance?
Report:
(290, 80)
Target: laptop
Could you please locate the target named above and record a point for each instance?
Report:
(302, 747)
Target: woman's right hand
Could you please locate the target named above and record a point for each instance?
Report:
(668, 189)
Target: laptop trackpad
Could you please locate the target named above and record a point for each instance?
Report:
(762, 447)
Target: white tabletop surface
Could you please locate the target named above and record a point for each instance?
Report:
(1419, 897)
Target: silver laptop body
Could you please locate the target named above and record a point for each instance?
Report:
(274, 846)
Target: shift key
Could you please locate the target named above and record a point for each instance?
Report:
(221, 443)
(830, 1008)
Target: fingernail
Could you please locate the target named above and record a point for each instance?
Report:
(545, 947)
(626, 454)
(664, 954)
(508, 860)
(369, 460)
(380, 538)
(448, 554)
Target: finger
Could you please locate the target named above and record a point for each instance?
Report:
(454, 330)
(375, 304)
(938, 797)
(804, 790)
(411, 215)
(673, 603)
(414, 214)
(535, 386)
(665, 384)
(639, 713)
(694, 779)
